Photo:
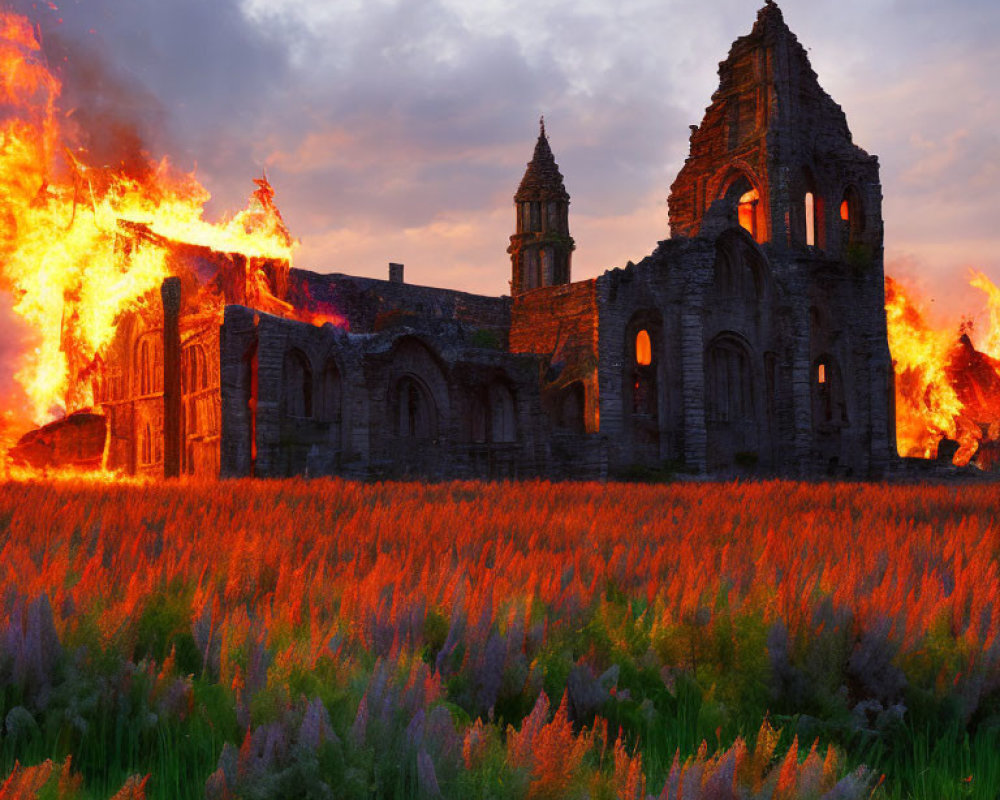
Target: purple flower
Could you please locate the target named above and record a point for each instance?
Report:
(315, 728)
(426, 776)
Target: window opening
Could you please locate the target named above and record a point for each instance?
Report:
(747, 211)
(810, 219)
(643, 349)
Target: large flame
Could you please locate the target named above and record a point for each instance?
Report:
(59, 220)
(947, 386)
(926, 403)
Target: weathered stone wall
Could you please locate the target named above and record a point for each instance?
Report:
(422, 401)
(368, 305)
(662, 295)
(560, 324)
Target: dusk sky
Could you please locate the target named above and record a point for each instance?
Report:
(398, 130)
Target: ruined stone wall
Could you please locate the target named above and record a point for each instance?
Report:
(661, 295)
(368, 305)
(560, 324)
(406, 402)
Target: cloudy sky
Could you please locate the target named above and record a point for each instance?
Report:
(397, 130)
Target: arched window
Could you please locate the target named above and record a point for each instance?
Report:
(829, 405)
(329, 395)
(202, 368)
(644, 395)
(852, 219)
(739, 272)
(503, 425)
(536, 216)
(747, 211)
(416, 416)
(146, 445)
(729, 378)
(477, 419)
(812, 230)
(743, 197)
(532, 269)
(643, 349)
(298, 385)
(810, 202)
(145, 369)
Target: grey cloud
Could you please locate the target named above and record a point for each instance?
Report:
(426, 108)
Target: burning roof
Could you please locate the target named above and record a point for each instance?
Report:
(61, 229)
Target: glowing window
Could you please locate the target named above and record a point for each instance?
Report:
(845, 211)
(747, 211)
(643, 349)
(810, 219)
(821, 374)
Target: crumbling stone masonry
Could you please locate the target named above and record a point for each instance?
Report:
(752, 341)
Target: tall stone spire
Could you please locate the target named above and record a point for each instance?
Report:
(541, 247)
(542, 179)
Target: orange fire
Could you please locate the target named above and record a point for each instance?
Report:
(946, 386)
(60, 218)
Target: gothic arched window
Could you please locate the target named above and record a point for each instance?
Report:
(298, 385)
(503, 425)
(416, 416)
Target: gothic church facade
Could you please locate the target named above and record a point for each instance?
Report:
(752, 341)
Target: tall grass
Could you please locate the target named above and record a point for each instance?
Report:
(298, 638)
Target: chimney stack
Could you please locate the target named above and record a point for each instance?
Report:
(395, 273)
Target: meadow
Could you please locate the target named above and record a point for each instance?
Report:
(498, 640)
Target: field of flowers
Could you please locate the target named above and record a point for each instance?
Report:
(332, 639)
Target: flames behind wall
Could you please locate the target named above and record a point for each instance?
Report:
(62, 219)
(947, 387)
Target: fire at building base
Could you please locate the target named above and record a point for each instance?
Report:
(752, 341)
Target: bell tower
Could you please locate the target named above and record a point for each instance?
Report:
(541, 247)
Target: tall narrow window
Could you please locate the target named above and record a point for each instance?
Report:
(821, 374)
(644, 395)
(416, 413)
(503, 425)
(329, 399)
(643, 349)
(747, 211)
(810, 219)
(851, 219)
(145, 369)
(298, 385)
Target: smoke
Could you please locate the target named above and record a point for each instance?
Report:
(111, 116)
(143, 80)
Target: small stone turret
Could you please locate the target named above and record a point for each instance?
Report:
(541, 248)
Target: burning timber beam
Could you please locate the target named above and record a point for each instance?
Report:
(170, 293)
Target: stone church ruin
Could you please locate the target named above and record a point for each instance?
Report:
(751, 341)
